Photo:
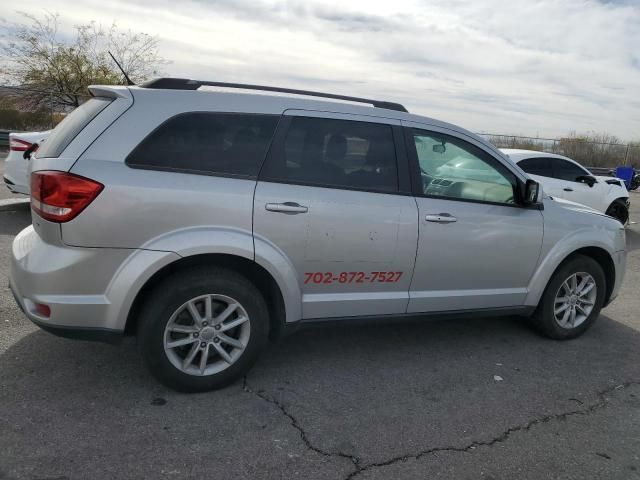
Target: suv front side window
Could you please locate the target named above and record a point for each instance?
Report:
(336, 154)
(453, 168)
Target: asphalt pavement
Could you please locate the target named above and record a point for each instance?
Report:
(444, 399)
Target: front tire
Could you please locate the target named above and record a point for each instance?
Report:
(572, 300)
(202, 329)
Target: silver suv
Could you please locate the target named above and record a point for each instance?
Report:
(207, 222)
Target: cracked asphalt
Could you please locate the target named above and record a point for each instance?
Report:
(400, 400)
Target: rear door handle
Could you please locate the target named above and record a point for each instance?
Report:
(440, 218)
(568, 189)
(286, 207)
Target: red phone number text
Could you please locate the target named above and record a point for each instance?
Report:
(351, 277)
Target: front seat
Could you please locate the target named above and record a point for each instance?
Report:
(378, 170)
(326, 169)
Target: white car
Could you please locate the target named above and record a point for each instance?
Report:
(565, 178)
(16, 173)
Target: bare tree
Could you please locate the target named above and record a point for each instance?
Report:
(593, 149)
(507, 141)
(56, 71)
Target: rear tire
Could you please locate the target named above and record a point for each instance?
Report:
(619, 210)
(568, 307)
(186, 342)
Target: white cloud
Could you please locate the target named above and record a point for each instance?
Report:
(542, 67)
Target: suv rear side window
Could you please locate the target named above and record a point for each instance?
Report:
(537, 166)
(71, 126)
(211, 143)
(336, 153)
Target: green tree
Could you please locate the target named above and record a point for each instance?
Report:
(55, 70)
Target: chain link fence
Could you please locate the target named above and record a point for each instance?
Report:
(583, 149)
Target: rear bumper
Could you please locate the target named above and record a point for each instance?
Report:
(16, 173)
(89, 291)
(77, 333)
(15, 187)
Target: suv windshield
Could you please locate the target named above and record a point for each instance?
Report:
(71, 126)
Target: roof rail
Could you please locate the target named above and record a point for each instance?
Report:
(186, 84)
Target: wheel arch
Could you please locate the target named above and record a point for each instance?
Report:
(599, 254)
(604, 259)
(254, 272)
(619, 200)
(615, 199)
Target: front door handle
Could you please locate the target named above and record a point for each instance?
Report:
(287, 207)
(568, 189)
(440, 218)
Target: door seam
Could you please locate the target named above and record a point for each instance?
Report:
(415, 257)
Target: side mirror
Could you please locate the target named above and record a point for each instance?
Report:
(588, 179)
(531, 193)
(29, 151)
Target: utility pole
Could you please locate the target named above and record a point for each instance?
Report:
(626, 156)
(51, 107)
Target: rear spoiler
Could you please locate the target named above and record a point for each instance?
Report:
(110, 91)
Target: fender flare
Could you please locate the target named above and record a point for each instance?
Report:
(160, 252)
(567, 246)
(282, 270)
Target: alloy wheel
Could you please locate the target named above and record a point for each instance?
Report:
(575, 300)
(207, 334)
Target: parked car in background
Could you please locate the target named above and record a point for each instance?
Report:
(634, 178)
(16, 169)
(565, 178)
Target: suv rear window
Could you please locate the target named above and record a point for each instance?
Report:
(537, 166)
(210, 143)
(71, 126)
(336, 153)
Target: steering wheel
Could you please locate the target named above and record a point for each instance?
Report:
(426, 179)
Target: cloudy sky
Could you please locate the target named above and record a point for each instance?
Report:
(545, 67)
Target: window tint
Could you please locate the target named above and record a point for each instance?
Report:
(564, 170)
(450, 167)
(223, 143)
(537, 166)
(336, 153)
(71, 126)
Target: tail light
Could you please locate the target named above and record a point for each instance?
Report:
(17, 145)
(61, 196)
